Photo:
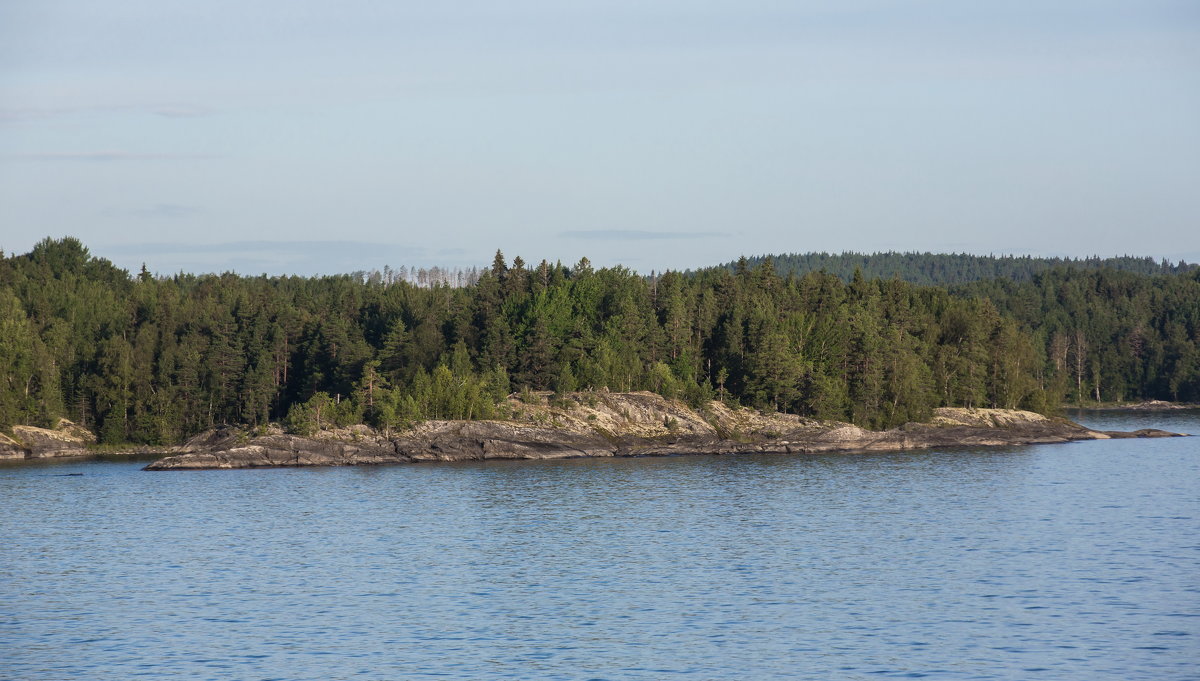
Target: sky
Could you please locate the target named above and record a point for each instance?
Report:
(315, 137)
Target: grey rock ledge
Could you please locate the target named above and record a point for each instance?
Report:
(620, 424)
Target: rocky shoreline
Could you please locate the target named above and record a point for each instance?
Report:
(601, 424)
(1150, 405)
(65, 439)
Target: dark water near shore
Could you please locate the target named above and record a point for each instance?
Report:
(1077, 561)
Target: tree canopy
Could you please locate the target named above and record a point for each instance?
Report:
(943, 269)
(154, 359)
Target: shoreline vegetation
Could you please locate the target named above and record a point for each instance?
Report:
(572, 425)
(153, 360)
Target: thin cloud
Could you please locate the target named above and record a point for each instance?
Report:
(182, 111)
(636, 235)
(109, 156)
(352, 247)
(30, 114)
(168, 210)
(175, 110)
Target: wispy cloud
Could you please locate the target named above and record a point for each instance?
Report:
(636, 235)
(108, 156)
(182, 111)
(278, 247)
(14, 115)
(168, 210)
(170, 110)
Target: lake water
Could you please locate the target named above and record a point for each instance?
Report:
(1076, 561)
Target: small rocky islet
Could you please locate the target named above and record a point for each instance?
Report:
(603, 424)
(581, 424)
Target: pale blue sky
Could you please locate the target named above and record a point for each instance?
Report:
(657, 135)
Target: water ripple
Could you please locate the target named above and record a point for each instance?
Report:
(1071, 561)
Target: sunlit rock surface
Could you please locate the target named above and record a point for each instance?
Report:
(30, 442)
(593, 424)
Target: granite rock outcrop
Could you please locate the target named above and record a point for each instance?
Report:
(31, 442)
(603, 424)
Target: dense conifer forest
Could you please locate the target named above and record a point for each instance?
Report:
(154, 359)
(942, 269)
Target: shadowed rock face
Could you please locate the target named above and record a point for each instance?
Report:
(10, 448)
(29, 442)
(617, 424)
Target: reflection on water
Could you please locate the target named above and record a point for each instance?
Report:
(1067, 561)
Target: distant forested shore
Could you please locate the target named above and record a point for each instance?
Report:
(151, 359)
(948, 269)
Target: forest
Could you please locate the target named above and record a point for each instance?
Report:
(946, 269)
(153, 359)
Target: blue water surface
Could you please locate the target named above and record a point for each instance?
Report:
(1076, 561)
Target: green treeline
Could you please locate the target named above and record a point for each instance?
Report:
(1115, 335)
(147, 359)
(943, 269)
